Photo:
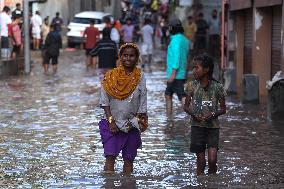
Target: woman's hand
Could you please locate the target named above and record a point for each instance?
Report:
(113, 127)
(143, 122)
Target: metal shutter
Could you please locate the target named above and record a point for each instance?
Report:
(276, 40)
(248, 42)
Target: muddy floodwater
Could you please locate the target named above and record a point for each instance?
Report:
(49, 137)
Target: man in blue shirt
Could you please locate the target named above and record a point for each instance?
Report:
(177, 59)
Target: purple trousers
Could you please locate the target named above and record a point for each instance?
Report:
(128, 143)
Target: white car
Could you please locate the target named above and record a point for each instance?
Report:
(81, 20)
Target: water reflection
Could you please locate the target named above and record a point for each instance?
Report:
(49, 138)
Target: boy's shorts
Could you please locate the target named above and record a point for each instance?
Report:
(88, 52)
(36, 35)
(16, 49)
(177, 86)
(47, 58)
(202, 138)
(128, 143)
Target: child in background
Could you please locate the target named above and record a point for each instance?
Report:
(16, 36)
(204, 103)
(106, 51)
(53, 44)
(92, 35)
(44, 30)
(148, 41)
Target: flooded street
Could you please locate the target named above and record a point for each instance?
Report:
(49, 137)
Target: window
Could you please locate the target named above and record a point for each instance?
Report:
(86, 20)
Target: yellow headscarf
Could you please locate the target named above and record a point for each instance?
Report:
(117, 83)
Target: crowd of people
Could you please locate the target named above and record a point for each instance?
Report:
(147, 24)
(42, 32)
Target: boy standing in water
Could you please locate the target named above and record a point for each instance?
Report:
(53, 44)
(92, 35)
(204, 103)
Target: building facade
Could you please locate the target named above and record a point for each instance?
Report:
(255, 41)
(9, 3)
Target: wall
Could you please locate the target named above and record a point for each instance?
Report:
(51, 7)
(10, 3)
(239, 44)
(261, 51)
(261, 44)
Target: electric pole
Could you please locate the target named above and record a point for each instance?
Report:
(27, 50)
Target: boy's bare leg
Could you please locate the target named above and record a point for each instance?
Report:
(93, 61)
(54, 68)
(212, 160)
(88, 61)
(144, 62)
(201, 163)
(150, 62)
(45, 66)
(169, 105)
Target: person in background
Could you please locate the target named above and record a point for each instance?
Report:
(92, 35)
(201, 35)
(177, 60)
(53, 43)
(164, 33)
(124, 100)
(16, 36)
(45, 29)
(214, 36)
(117, 25)
(36, 23)
(114, 34)
(57, 22)
(106, 50)
(148, 41)
(17, 12)
(127, 31)
(190, 31)
(205, 102)
(5, 23)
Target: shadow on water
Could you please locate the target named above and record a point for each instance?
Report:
(49, 138)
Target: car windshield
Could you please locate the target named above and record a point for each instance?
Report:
(85, 20)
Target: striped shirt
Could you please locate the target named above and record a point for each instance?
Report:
(106, 50)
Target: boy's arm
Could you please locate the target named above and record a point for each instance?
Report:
(83, 38)
(219, 112)
(186, 105)
(222, 110)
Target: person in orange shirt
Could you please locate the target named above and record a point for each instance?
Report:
(117, 25)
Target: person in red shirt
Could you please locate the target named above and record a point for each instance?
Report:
(92, 35)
